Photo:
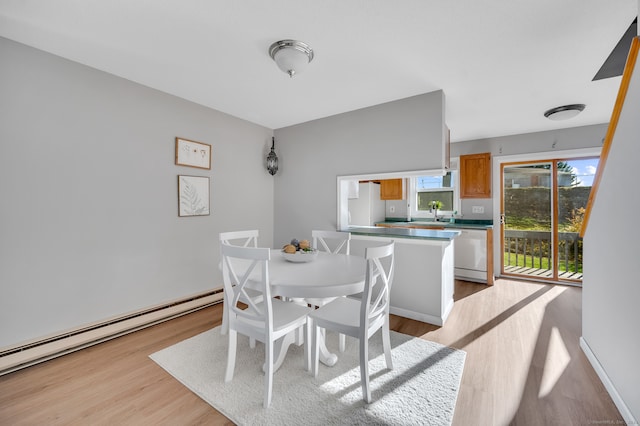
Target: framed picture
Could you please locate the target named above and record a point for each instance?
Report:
(193, 154)
(193, 196)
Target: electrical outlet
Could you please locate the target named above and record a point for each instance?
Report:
(392, 209)
(477, 209)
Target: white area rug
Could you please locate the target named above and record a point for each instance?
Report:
(420, 390)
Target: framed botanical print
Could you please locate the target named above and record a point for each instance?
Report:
(193, 154)
(193, 196)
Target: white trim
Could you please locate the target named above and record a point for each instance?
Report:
(470, 275)
(430, 319)
(394, 175)
(608, 384)
(412, 196)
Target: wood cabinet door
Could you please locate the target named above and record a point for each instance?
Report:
(475, 176)
(429, 227)
(391, 189)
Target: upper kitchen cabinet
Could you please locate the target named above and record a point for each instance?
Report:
(392, 189)
(475, 175)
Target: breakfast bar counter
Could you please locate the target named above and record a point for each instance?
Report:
(422, 287)
(401, 232)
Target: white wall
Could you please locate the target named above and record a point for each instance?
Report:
(396, 136)
(88, 219)
(611, 289)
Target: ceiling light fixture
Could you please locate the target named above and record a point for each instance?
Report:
(564, 112)
(291, 56)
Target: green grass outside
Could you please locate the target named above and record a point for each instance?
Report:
(530, 224)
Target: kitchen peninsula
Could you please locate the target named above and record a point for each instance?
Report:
(422, 287)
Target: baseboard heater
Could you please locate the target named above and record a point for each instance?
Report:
(31, 353)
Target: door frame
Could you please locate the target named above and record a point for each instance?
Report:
(496, 188)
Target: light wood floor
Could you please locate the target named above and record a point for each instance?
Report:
(524, 366)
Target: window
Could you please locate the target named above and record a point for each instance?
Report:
(426, 189)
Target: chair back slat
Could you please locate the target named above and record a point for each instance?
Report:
(246, 268)
(331, 241)
(379, 277)
(247, 238)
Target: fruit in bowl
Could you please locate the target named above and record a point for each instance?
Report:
(304, 245)
(299, 251)
(295, 245)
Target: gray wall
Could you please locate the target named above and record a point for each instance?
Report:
(610, 314)
(88, 220)
(369, 140)
(552, 140)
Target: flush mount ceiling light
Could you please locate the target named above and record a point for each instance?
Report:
(291, 56)
(564, 112)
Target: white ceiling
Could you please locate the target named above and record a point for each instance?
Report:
(501, 63)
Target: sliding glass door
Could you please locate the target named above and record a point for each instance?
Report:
(527, 219)
(542, 207)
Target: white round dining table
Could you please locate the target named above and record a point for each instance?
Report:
(328, 275)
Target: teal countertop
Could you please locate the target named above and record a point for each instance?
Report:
(459, 223)
(419, 234)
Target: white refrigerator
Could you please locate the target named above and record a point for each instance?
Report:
(368, 208)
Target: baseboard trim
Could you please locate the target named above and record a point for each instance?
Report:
(608, 384)
(35, 352)
(430, 319)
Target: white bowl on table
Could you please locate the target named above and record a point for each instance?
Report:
(300, 256)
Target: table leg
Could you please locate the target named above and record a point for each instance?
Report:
(326, 357)
(281, 347)
(294, 338)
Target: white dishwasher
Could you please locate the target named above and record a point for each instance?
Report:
(470, 255)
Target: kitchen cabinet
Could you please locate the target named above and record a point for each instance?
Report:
(473, 255)
(475, 176)
(434, 227)
(392, 189)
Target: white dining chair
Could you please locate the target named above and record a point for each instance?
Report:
(266, 321)
(331, 241)
(242, 239)
(361, 318)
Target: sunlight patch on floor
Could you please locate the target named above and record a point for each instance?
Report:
(556, 362)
